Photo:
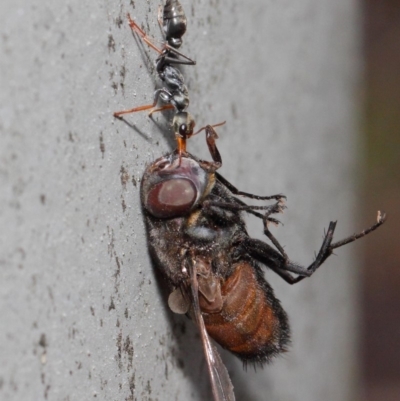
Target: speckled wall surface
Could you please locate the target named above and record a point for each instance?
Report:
(83, 314)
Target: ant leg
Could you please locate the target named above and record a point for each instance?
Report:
(118, 114)
(165, 107)
(160, 20)
(143, 35)
(235, 191)
(135, 27)
(171, 60)
(157, 95)
(211, 136)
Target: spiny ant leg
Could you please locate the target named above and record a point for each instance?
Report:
(211, 136)
(235, 191)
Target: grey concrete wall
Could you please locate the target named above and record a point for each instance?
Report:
(83, 315)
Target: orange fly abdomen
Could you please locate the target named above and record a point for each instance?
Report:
(248, 324)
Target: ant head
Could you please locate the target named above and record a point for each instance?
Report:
(183, 124)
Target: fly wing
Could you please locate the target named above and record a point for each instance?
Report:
(221, 384)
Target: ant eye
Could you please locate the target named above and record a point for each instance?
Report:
(182, 129)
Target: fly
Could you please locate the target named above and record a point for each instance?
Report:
(198, 239)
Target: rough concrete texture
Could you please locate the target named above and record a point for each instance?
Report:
(83, 314)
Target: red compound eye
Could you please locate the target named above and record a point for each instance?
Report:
(171, 198)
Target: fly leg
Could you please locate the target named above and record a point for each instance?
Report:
(252, 209)
(277, 208)
(239, 205)
(266, 220)
(236, 206)
(280, 264)
(236, 191)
